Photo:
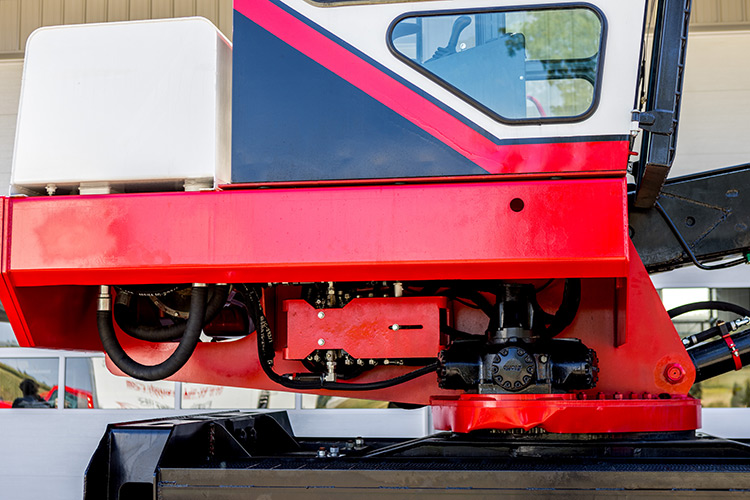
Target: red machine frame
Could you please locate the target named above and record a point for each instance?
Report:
(56, 250)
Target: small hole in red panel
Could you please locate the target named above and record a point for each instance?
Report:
(516, 204)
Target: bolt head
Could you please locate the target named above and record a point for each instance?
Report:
(674, 373)
(321, 342)
(321, 315)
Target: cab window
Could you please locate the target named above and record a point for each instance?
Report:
(517, 65)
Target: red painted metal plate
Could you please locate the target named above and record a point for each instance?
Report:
(439, 231)
(365, 327)
(566, 413)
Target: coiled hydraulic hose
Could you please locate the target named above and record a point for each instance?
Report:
(175, 361)
(124, 319)
(553, 324)
(709, 304)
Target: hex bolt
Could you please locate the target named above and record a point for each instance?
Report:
(321, 315)
(674, 373)
(321, 342)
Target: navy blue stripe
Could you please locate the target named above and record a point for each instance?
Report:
(477, 128)
(293, 119)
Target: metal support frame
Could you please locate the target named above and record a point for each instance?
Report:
(710, 210)
(660, 119)
(234, 454)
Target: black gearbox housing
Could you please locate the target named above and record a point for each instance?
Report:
(518, 366)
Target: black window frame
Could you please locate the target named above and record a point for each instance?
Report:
(516, 8)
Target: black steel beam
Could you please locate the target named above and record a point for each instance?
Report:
(237, 455)
(711, 211)
(661, 117)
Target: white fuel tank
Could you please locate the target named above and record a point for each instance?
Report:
(124, 107)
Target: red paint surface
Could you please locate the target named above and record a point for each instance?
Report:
(440, 231)
(564, 413)
(503, 159)
(57, 249)
(363, 327)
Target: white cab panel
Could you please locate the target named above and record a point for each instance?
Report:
(127, 106)
(366, 28)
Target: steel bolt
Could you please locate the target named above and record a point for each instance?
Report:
(674, 373)
(321, 342)
(321, 315)
(321, 452)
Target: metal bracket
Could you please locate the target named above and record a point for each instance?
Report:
(656, 121)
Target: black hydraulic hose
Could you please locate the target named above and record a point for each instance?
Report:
(175, 361)
(709, 304)
(317, 382)
(312, 381)
(718, 357)
(686, 247)
(124, 319)
(567, 311)
(722, 355)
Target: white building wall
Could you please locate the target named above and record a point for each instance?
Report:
(714, 129)
(10, 89)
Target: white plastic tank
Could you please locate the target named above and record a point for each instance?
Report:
(124, 107)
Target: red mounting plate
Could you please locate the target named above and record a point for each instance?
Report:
(365, 327)
(566, 413)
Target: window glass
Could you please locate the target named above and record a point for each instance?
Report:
(221, 397)
(28, 382)
(113, 392)
(518, 65)
(79, 383)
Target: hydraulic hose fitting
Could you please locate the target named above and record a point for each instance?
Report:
(105, 299)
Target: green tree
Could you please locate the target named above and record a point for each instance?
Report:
(738, 396)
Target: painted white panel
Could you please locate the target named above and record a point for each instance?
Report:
(124, 103)
(730, 423)
(366, 28)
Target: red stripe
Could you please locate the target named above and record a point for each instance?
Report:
(505, 159)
